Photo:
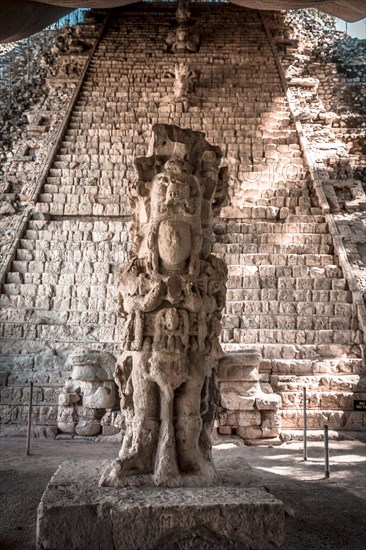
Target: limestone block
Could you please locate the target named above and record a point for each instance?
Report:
(346, 383)
(270, 432)
(294, 400)
(271, 420)
(268, 402)
(354, 421)
(249, 389)
(224, 430)
(68, 398)
(249, 432)
(244, 418)
(232, 401)
(66, 420)
(239, 366)
(145, 518)
(84, 372)
(90, 366)
(337, 400)
(316, 419)
(97, 396)
(283, 383)
(86, 413)
(50, 395)
(265, 386)
(46, 361)
(87, 427)
(6, 413)
(47, 414)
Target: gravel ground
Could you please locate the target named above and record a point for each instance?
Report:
(321, 514)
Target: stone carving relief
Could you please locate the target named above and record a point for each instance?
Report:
(172, 294)
(185, 38)
(249, 408)
(185, 81)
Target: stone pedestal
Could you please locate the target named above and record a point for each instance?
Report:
(75, 513)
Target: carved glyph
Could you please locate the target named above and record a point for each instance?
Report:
(185, 80)
(172, 294)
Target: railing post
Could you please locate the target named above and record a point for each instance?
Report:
(29, 417)
(326, 453)
(305, 427)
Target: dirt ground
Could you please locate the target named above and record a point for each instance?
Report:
(321, 514)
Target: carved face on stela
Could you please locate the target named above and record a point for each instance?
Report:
(176, 213)
(175, 193)
(175, 189)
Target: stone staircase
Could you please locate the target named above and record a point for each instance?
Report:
(61, 284)
(289, 301)
(287, 297)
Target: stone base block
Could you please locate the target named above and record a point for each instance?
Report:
(75, 513)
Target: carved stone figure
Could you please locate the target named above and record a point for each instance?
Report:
(185, 81)
(183, 40)
(183, 14)
(172, 294)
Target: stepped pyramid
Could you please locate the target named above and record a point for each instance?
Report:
(287, 297)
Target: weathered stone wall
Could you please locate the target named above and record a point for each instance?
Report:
(287, 296)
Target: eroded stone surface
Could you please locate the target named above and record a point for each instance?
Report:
(77, 514)
(89, 395)
(172, 293)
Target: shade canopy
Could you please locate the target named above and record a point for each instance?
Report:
(22, 18)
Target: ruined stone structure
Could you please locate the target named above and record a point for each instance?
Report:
(293, 241)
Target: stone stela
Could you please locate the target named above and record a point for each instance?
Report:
(172, 293)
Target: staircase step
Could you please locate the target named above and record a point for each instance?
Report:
(274, 307)
(272, 248)
(260, 228)
(281, 270)
(301, 359)
(301, 337)
(316, 419)
(268, 259)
